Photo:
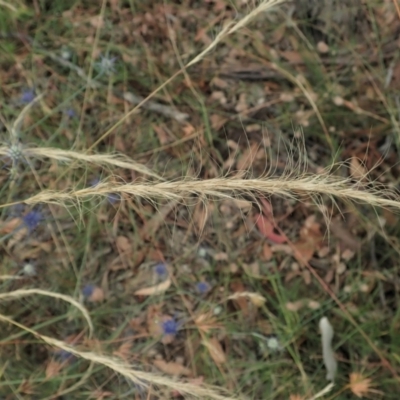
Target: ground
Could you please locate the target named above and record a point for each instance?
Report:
(225, 294)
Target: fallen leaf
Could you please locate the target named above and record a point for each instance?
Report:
(267, 252)
(217, 121)
(97, 295)
(295, 305)
(220, 256)
(266, 228)
(346, 238)
(292, 56)
(53, 368)
(310, 240)
(338, 101)
(172, 368)
(10, 225)
(97, 21)
(162, 135)
(242, 105)
(124, 351)
(247, 158)
(322, 47)
(296, 397)
(123, 244)
(215, 349)
(313, 305)
(357, 169)
(153, 290)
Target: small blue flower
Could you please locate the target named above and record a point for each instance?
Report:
(113, 198)
(65, 356)
(161, 269)
(202, 287)
(27, 96)
(32, 220)
(170, 327)
(94, 182)
(70, 113)
(88, 290)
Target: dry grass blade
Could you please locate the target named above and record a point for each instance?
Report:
(69, 156)
(325, 184)
(232, 27)
(17, 294)
(141, 378)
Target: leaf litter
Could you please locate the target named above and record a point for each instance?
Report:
(255, 265)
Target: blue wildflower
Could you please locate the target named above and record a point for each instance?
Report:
(161, 269)
(202, 287)
(113, 198)
(70, 113)
(65, 356)
(88, 290)
(32, 220)
(94, 182)
(170, 327)
(27, 96)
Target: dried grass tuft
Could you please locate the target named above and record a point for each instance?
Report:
(70, 157)
(220, 188)
(138, 377)
(18, 294)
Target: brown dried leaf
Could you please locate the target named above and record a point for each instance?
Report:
(172, 368)
(247, 158)
(267, 252)
(322, 47)
(97, 21)
(53, 368)
(217, 121)
(296, 397)
(295, 306)
(215, 349)
(346, 238)
(124, 351)
(162, 135)
(10, 226)
(97, 295)
(242, 105)
(293, 57)
(357, 169)
(153, 290)
(123, 244)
